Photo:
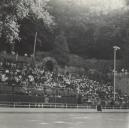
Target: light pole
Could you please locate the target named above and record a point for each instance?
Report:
(35, 41)
(114, 70)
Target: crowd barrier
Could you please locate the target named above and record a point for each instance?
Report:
(53, 105)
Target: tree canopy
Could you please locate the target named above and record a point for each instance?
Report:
(12, 12)
(91, 29)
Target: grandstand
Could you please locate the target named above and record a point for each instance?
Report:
(23, 82)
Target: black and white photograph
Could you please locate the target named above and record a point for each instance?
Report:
(64, 63)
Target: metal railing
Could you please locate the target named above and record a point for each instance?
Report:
(53, 105)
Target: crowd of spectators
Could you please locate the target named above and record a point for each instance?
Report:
(38, 81)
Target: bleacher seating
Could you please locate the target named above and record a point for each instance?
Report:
(35, 81)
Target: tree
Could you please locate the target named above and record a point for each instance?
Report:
(90, 33)
(45, 38)
(61, 49)
(127, 2)
(12, 12)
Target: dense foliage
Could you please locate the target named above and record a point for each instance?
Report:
(12, 12)
(90, 32)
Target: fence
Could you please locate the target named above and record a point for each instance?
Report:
(37, 99)
(51, 105)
